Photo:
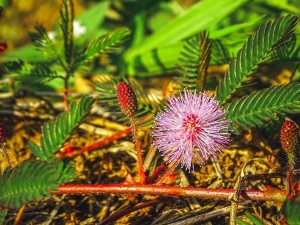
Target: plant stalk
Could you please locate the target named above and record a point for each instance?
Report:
(290, 176)
(167, 173)
(138, 150)
(132, 189)
(100, 143)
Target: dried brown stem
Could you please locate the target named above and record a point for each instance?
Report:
(128, 210)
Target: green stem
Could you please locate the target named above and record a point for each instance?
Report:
(66, 91)
(290, 175)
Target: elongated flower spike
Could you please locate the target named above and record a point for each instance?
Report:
(289, 136)
(190, 127)
(129, 106)
(127, 99)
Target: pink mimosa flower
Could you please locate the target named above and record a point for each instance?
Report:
(190, 127)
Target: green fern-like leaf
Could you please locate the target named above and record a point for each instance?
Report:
(220, 54)
(29, 72)
(30, 181)
(66, 26)
(148, 104)
(44, 44)
(56, 133)
(268, 43)
(195, 61)
(261, 106)
(104, 44)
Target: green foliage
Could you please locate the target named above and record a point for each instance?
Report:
(241, 222)
(148, 104)
(29, 181)
(30, 72)
(66, 25)
(191, 22)
(104, 44)
(254, 219)
(261, 106)
(195, 61)
(220, 54)
(3, 213)
(43, 43)
(291, 210)
(267, 44)
(56, 133)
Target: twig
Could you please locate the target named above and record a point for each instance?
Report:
(101, 143)
(19, 215)
(167, 173)
(234, 198)
(75, 189)
(128, 210)
(209, 215)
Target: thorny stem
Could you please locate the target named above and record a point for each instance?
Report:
(167, 173)
(148, 189)
(19, 215)
(139, 151)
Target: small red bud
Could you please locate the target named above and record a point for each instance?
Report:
(127, 99)
(3, 46)
(289, 136)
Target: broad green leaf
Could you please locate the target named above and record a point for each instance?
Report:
(198, 18)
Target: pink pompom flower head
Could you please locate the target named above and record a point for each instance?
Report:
(191, 126)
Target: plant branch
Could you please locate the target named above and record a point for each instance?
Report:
(100, 143)
(274, 195)
(128, 210)
(167, 173)
(19, 215)
(139, 151)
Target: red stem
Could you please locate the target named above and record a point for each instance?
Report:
(101, 143)
(139, 151)
(167, 173)
(76, 189)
